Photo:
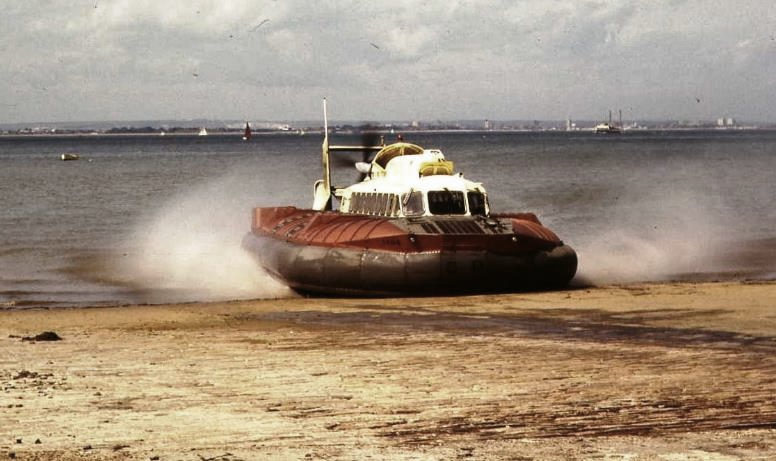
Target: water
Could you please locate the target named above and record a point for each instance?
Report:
(159, 219)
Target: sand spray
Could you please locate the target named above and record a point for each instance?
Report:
(652, 236)
(190, 247)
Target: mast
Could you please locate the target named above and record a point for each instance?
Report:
(322, 188)
(323, 192)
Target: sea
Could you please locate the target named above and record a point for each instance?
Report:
(158, 219)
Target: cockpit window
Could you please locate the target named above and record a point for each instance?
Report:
(476, 202)
(446, 202)
(413, 203)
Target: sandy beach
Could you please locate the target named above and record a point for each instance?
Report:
(637, 372)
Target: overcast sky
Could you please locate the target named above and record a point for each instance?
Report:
(73, 60)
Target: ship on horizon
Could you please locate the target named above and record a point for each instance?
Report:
(609, 127)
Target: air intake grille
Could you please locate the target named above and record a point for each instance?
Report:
(452, 227)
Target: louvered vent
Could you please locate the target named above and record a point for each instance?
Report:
(452, 227)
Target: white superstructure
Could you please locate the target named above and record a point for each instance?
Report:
(405, 180)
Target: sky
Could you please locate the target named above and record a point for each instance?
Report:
(428, 60)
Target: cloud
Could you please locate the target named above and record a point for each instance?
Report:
(387, 59)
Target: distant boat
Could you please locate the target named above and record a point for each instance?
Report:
(66, 157)
(247, 133)
(605, 128)
(202, 132)
(609, 128)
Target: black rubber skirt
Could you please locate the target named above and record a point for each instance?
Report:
(363, 272)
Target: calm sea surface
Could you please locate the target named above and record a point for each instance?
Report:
(159, 219)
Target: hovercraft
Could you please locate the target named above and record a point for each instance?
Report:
(411, 226)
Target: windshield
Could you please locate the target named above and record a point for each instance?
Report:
(476, 203)
(413, 203)
(446, 202)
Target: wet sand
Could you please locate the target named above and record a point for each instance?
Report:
(638, 372)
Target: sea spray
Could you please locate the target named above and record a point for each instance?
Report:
(189, 249)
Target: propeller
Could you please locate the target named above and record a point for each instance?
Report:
(370, 141)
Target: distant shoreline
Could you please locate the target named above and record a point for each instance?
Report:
(183, 132)
(187, 134)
